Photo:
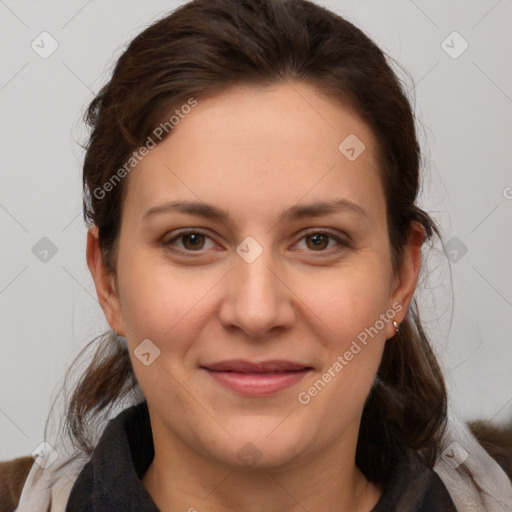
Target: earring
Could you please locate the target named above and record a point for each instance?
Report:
(397, 326)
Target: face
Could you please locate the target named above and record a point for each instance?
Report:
(268, 277)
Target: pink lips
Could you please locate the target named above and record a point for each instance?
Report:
(257, 379)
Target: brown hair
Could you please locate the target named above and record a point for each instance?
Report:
(202, 48)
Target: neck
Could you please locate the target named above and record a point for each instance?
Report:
(187, 481)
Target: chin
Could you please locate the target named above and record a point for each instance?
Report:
(264, 448)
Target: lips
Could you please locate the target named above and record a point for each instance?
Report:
(243, 366)
(260, 379)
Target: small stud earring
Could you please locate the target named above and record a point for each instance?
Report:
(397, 326)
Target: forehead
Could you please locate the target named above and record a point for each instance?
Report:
(257, 147)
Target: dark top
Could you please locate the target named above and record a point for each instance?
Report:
(111, 480)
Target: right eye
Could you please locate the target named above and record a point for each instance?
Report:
(191, 240)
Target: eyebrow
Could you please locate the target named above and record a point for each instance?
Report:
(296, 212)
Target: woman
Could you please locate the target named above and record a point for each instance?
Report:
(250, 186)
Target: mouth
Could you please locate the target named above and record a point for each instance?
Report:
(257, 378)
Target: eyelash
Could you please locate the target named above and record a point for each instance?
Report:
(343, 244)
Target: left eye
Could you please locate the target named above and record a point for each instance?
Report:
(318, 241)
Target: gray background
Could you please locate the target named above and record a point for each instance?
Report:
(48, 304)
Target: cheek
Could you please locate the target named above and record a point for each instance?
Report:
(349, 299)
(350, 303)
(157, 299)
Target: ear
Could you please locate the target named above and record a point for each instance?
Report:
(104, 282)
(404, 282)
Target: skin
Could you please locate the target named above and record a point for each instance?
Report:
(255, 152)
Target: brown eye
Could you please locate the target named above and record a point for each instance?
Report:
(191, 241)
(318, 241)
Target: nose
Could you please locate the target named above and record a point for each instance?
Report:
(257, 299)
